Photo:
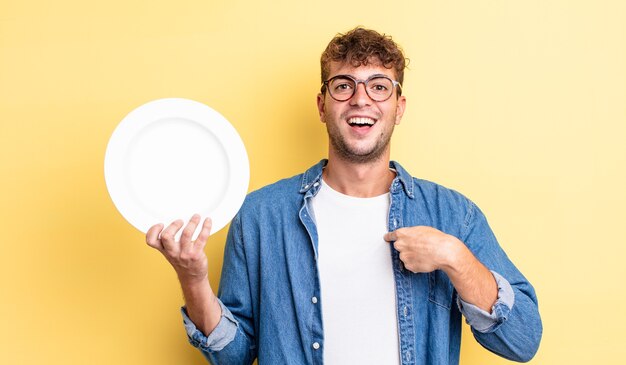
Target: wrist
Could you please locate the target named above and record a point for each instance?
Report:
(194, 289)
(193, 281)
(453, 258)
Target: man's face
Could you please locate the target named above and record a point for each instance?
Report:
(359, 129)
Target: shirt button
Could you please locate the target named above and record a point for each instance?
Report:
(306, 186)
(316, 184)
(314, 300)
(316, 345)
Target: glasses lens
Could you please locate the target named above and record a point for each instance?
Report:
(341, 88)
(379, 88)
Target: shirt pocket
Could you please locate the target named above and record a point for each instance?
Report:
(440, 289)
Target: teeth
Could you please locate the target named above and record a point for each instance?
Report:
(361, 121)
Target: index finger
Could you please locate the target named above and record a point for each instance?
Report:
(391, 236)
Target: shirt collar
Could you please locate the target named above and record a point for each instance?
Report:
(403, 179)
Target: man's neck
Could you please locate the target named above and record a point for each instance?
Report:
(362, 180)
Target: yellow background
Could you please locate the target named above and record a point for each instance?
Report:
(520, 105)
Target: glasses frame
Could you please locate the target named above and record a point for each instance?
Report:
(356, 85)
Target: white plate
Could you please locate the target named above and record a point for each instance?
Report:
(171, 158)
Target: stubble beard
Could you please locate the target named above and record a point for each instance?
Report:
(354, 154)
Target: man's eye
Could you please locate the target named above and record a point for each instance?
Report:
(343, 87)
(379, 87)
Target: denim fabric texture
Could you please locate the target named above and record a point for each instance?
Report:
(270, 290)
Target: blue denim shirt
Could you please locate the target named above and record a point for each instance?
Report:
(270, 289)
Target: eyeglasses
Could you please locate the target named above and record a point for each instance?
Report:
(377, 87)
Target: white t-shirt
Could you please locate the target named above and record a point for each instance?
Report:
(357, 286)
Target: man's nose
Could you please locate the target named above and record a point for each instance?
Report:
(360, 97)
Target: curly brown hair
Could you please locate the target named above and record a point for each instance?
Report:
(362, 46)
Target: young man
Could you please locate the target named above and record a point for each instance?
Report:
(354, 261)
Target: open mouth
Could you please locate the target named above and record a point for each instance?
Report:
(361, 122)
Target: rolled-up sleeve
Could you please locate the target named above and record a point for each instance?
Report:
(483, 321)
(223, 334)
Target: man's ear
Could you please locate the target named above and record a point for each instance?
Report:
(400, 109)
(320, 106)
